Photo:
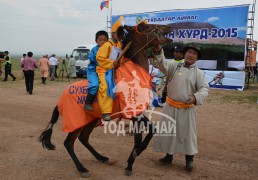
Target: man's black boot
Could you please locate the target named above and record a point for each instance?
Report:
(167, 159)
(189, 162)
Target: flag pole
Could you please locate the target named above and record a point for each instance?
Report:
(110, 18)
(107, 20)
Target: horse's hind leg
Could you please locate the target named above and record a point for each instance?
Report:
(68, 143)
(137, 144)
(84, 138)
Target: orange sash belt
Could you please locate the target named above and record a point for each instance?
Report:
(178, 104)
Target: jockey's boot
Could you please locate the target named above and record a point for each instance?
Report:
(106, 117)
(42, 79)
(167, 159)
(189, 162)
(89, 100)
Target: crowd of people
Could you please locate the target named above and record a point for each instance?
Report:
(48, 66)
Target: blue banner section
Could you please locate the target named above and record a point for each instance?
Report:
(211, 23)
(220, 32)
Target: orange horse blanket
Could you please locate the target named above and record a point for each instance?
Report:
(133, 86)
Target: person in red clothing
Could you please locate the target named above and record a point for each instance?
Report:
(29, 64)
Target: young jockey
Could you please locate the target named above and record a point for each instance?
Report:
(101, 38)
(104, 64)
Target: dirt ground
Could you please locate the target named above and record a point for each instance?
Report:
(227, 139)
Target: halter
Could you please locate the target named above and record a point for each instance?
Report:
(147, 36)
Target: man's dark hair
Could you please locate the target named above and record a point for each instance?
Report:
(24, 55)
(99, 33)
(30, 54)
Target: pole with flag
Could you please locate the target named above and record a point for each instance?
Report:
(107, 4)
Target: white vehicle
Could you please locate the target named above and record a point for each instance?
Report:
(81, 55)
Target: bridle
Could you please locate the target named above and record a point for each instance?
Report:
(147, 36)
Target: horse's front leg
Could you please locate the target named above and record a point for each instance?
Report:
(140, 145)
(84, 138)
(69, 145)
(151, 131)
(137, 144)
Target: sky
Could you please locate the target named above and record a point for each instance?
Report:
(58, 26)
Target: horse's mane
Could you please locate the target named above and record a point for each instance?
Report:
(123, 34)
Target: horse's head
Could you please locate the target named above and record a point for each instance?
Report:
(142, 37)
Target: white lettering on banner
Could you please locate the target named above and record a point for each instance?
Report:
(215, 33)
(183, 18)
(121, 128)
(161, 128)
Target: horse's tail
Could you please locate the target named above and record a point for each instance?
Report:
(45, 137)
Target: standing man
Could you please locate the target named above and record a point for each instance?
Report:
(1, 61)
(71, 67)
(8, 66)
(44, 66)
(187, 87)
(179, 58)
(53, 64)
(29, 64)
(23, 57)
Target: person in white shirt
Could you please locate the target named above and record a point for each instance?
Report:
(53, 63)
(23, 57)
(153, 72)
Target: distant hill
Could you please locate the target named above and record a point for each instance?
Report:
(201, 25)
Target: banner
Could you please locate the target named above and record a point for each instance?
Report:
(219, 32)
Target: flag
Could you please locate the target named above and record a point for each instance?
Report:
(104, 4)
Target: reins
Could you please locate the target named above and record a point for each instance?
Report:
(147, 35)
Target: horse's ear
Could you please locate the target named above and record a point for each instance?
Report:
(129, 28)
(120, 32)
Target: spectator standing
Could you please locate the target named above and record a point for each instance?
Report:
(8, 66)
(53, 63)
(29, 64)
(179, 58)
(1, 61)
(71, 67)
(44, 66)
(23, 57)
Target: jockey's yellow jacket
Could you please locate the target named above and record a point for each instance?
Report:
(104, 64)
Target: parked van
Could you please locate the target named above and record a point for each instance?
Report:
(81, 55)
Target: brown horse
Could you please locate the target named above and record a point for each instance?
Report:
(142, 37)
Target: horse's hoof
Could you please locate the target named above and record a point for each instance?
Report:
(85, 174)
(128, 173)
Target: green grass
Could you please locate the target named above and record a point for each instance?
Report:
(250, 99)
